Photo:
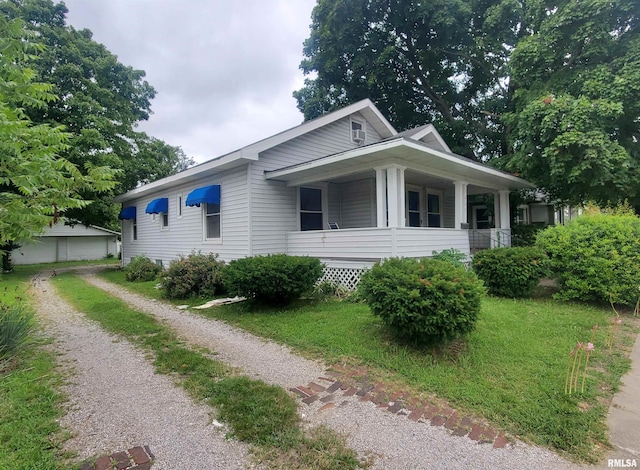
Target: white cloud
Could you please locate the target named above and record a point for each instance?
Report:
(223, 70)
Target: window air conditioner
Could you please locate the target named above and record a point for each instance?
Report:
(358, 135)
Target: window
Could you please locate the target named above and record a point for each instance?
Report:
(358, 133)
(413, 208)
(179, 205)
(212, 221)
(164, 221)
(434, 210)
(310, 209)
(522, 216)
(134, 231)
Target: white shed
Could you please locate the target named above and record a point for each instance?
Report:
(64, 242)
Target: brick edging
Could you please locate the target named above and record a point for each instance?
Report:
(136, 458)
(342, 382)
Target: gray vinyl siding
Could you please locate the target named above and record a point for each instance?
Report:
(274, 205)
(449, 208)
(186, 234)
(356, 203)
(335, 213)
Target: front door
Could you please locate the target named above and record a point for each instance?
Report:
(481, 217)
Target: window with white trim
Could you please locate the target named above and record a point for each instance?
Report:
(164, 220)
(434, 209)
(134, 229)
(311, 216)
(211, 221)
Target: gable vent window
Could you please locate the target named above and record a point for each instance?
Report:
(358, 133)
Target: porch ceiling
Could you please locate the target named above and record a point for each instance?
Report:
(413, 155)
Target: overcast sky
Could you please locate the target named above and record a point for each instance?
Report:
(224, 70)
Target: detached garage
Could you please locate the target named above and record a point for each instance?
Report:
(68, 243)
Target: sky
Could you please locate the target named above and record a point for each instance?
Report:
(223, 70)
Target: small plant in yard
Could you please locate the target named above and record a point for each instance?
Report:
(451, 255)
(512, 272)
(15, 325)
(198, 275)
(142, 268)
(614, 323)
(575, 368)
(426, 300)
(272, 279)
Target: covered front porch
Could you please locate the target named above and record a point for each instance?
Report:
(393, 198)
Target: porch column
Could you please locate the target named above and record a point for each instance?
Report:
(497, 216)
(460, 203)
(505, 218)
(381, 197)
(395, 195)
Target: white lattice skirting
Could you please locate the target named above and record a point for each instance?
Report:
(345, 277)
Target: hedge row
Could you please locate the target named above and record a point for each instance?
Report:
(272, 279)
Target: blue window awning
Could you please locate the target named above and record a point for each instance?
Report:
(127, 213)
(208, 194)
(157, 206)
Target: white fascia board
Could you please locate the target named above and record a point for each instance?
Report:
(231, 160)
(385, 129)
(430, 129)
(289, 173)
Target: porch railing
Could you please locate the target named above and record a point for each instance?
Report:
(480, 239)
(376, 243)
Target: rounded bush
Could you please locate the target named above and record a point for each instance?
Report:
(427, 300)
(272, 279)
(512, 272)
(596, 256)
(142, 268)
(197, 275)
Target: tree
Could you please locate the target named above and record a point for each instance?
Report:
(419, 61)
(36, 184)
(549, 90)
(575, 125)
(102, 102)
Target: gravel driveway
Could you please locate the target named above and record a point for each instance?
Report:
(395, 442)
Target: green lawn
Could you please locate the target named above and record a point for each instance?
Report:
(29, 401)
(512, 372)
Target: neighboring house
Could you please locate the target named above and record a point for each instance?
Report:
(346, 188)
(64, 242)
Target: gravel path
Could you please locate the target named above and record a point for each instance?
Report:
(116, 401)
(395, 442)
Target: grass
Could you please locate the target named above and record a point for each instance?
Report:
(260, 414)
(511, 371)
(29, 401)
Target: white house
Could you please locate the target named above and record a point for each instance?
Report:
(346, 188)
(63, 242)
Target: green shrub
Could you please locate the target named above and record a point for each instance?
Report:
(595, 256)
(142, 268)
(196, 275)
(426, 300)
(512, 272)
(451, 255)
(15, 325)
(272, 279)
(525, 235)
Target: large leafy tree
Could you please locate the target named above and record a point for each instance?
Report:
(101, 103)
(440, 61)
(36, 184)
(575, 125)
(547, 89)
